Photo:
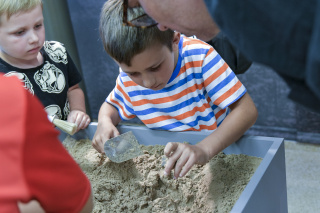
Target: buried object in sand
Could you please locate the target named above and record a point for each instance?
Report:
(122, 148)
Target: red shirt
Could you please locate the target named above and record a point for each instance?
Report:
(33, 162)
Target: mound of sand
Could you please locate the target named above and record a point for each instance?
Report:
(138, 185)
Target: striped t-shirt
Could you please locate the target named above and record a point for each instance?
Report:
(197, 96)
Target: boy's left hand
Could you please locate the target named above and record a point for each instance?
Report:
(182, 156)
(80, 118)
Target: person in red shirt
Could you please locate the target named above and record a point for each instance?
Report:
(34, 164)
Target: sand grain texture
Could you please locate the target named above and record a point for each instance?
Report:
(138, 185)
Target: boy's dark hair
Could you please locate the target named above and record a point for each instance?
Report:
(121, 42)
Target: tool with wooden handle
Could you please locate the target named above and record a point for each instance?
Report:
(65, 126)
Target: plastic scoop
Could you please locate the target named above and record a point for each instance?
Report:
(122, 148)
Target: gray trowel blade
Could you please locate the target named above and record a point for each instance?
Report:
(122, 148)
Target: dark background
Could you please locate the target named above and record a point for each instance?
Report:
(76, 24)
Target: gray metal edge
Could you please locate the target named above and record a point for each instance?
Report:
(273, 145)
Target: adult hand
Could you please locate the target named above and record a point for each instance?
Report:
(182, 156)
(133, 3)
(104, 132)
(80, 118)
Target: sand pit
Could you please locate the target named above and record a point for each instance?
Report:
(138, 185)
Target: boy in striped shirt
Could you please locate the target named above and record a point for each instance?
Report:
(171, 82)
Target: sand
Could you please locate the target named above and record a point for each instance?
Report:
(138, 185)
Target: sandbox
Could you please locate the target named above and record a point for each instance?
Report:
(266, 190)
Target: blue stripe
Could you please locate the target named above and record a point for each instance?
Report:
(173, 108)
(223, 83)
(191, 124)
(193, 52)
(226, 113)
(190, 77)
(169, 126)
(121, 100)
(201, 118)
(178, 65)
(213, 107)
(123, 74)
(211, 63)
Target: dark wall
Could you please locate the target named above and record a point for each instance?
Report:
(278, 116)
(99, 70)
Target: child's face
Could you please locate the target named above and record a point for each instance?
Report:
(153, 67)
(22, 36)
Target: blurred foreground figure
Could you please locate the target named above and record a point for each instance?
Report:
(34, 164)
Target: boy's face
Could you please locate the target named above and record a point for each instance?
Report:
(22, 36)
(153, 67)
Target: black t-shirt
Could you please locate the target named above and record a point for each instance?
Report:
(51, 80)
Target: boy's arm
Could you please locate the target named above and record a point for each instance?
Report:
(183, 156)
(242, 116)
(78, 113)
(108, 119)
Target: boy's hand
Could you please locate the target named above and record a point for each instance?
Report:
(181, 157)
(105, 131)
(80, 118)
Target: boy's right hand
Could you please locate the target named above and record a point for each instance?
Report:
(105, 131)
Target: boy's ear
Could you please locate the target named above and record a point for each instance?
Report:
(176, 39)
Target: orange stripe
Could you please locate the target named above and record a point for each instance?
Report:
(123, 93)
(178, 117)
(188, 65)
(169, 98)
(221, 112)
(210, 51)
(203, 127)
(189, 41)
(119, 105)
(216, 74)
(129, 83)
(193, 64)
(209, 100)
(228, 93)
(182, 70)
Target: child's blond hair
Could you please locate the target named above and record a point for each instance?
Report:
(11, 7)
(121, 42)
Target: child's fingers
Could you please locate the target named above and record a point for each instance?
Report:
(180, 163)
(170, 148)
(84, 122)
(98, 141)
(187, 166)
(173, 153)
(116, 132)
(101, 137)
(87, 123)
(98, 144)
